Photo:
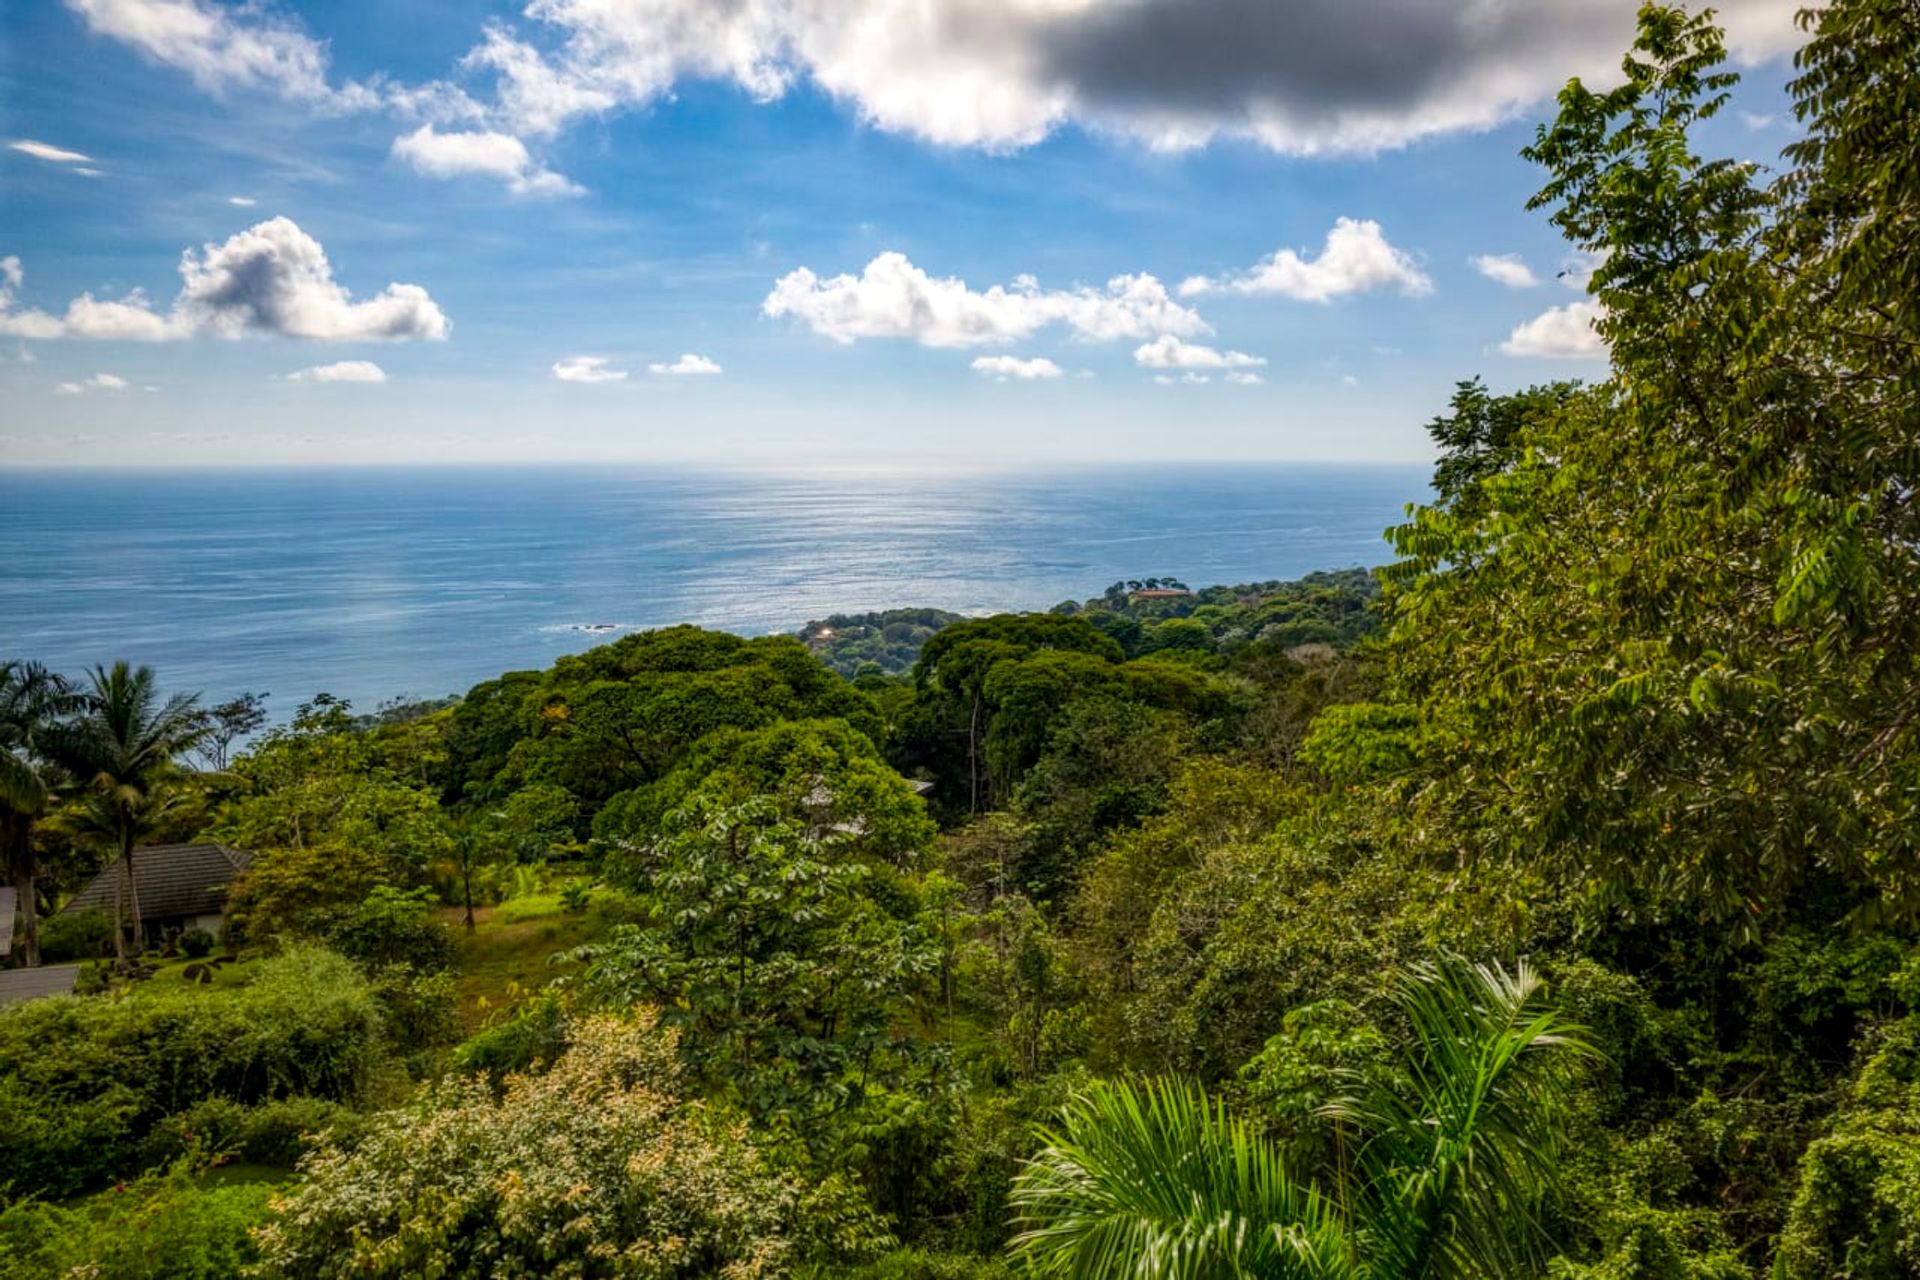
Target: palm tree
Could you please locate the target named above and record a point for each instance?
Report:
(32, 701)
(123, 753)
(1155, 1181)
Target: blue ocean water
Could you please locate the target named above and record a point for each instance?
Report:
(378, 583)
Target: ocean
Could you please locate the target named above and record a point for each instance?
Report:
(378, 583)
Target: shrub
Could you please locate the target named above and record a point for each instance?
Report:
(421, 1010)
(196, 944)
(574, 895)
(392, 927)
(307, 1023)
(165, 1226)
(76, 935)
(595, 1167)
(918, 1264)
(537, 1032)
(275, 1133)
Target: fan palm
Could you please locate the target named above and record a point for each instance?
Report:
(1154, 1181)
(123, 753)
(32, 701)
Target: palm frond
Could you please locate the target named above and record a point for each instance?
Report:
(1458, 1158)
(1154, 1180)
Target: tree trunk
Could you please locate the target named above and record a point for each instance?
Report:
(20, 860)
(120, 915)
(139, 939)
(466, 883)
(973, 756)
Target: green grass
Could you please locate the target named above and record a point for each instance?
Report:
(533, 906)
(507, 955)
(167, 973)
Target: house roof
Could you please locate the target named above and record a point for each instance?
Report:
(173, 879)
(31, 984)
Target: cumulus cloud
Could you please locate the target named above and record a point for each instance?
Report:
(1355, 258)
(1505, 268)
(1306, 78)
(272, 278)
(1000, 368)
(1168, 352)
(1242, 379)
(1562, 332)
(132, 317)
(587, 369)
(48, 152)
(340, 371)
(275, 278)
(1302, 78)
(477, 152)
(892, 298)
(1188, 379)
(688, 365)
(98, 382)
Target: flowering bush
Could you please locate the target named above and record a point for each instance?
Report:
(595, 1167)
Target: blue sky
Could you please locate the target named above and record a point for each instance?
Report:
(757, 231)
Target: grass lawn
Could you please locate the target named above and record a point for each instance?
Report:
(506, 957)
(168, 972)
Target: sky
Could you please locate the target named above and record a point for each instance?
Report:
(753, 231)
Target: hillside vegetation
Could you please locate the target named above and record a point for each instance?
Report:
(1547, 906)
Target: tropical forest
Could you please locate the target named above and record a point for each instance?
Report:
(1543, 904)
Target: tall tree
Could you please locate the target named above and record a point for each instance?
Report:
(228, 723)
(32, 701)
(1666, 640)
(123, 752)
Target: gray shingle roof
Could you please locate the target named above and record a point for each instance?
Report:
(31, 984)
(174, 880)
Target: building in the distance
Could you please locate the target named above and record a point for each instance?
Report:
(182, 886)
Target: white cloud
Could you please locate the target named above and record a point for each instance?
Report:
(12, 276)
(688, 365)
(98, 382)
(1348, 380)
(587, 369)
(1356, 258)
(1305, 78)
(536, 97)
(47, 151)
(1242, 379)
(1168, 352)
(1562, 332)
(892, 298)
(492, 155)
(1308, 78)
(340, 371)
(1505, 268)
(242, 202)
(1756, 121)
(1188, 379)
(224, 46)
(1000, 368)
(272, 278)
(275, 278)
